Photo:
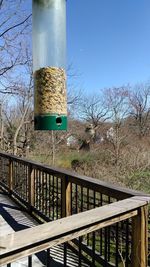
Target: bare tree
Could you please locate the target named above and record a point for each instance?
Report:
(74, 93)
(15, 124)
(94, 110)
(15, 26)
(21, 108)
(2, 137)
(139, 100)
(117, 103)
(15, 67)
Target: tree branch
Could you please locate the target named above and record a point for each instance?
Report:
(14, 26)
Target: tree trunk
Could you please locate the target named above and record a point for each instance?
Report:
(18, 130)
(2, 128)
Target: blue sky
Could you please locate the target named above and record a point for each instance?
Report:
(109, 42)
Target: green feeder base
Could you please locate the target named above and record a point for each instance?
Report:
(50, 122)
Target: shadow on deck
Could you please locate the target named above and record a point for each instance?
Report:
(88, 222)
(13, 219)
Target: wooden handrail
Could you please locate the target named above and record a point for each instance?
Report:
(92, 183)
(38, 238)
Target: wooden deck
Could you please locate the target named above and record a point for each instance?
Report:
(93, 231)
(13, 219)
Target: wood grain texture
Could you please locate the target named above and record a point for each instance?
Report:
(31, 185)
(66, 197)
(29, 241)
(140, 238)
(23, 219)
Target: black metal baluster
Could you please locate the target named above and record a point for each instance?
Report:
(16, 176)
(46, 192)
(79, 255)
(36, 182)
(81, 206)
(93, 248)
(39, 190)
(42, 193)
(21, 180)
(60, 198)
(88, 236)
(108, 237)
(76, 192)
(35, 186)
(26, 183)
(48, 258)
(80, 238)
(65, 254)
(127, 243)
(30, 261)
(15, 181)
(101, 231)
(17, 171)
(93, 236)
(117, 245)
(53, 198)
(87, 198)
(71, 200)
(49, 195)
(106, 246)
(18, 180)
(56, 197)
(40, 187)
(27, 186)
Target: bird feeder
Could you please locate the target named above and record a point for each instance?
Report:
(49, 64)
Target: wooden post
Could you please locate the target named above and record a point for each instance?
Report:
(66, 197)
(10, 176)
(30, 186)
(140, 238)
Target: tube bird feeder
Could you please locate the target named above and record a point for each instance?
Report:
(49, 64)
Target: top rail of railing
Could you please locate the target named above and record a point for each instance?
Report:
(44, 236)
(52, 193)
(88, 182)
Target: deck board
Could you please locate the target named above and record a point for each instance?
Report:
(13, 219)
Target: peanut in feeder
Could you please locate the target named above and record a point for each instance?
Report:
(49, 58)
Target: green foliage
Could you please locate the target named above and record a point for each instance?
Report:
(66, 160)
(140, 180)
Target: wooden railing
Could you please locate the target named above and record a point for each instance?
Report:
(51, 234)
(50, 194)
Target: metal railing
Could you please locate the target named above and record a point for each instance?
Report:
(50, 194)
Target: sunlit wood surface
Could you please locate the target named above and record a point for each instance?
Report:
(13, 219)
